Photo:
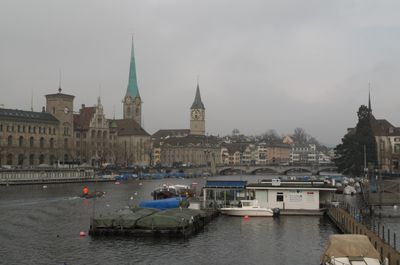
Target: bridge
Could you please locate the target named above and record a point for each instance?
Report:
(274, 169)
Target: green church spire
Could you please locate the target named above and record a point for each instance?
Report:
(132, 89)
(197, 103)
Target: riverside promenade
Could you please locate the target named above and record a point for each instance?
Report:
(350, 221)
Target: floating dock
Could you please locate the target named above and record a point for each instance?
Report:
(145, 222)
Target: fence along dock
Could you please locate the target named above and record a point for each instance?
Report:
(350, 221)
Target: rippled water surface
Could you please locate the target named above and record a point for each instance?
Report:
(41, 226)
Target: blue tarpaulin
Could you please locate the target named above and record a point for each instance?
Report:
(161, 204)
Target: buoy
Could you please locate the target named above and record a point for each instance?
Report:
(131, 197)
(117, 182)
(140, 184)
(85, 190)
(82, 233)
(395, 206)
(44, 186)
(246, 217)
(135, 193)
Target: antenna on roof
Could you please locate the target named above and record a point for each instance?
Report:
(59, 81)
(32, 99)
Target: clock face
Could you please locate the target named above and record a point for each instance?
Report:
(66, 110)
(196, 114)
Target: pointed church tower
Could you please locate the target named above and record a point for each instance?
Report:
(132, 101)
(197, 115)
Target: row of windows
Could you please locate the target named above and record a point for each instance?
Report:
(21, 142)
(29, 129)
(21, 158)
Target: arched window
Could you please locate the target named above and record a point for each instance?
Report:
(31, 141)
(31, 159)
(41, 142)
(41, 159)
(21, 141)
(52, 159)
(65, 143)
(10, 140)
(20, 159)
(51, 143)
(9, 159)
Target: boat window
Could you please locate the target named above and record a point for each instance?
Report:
(279, 196)
(246, 204)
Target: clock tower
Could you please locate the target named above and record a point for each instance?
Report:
(132, 103)
(197, 115)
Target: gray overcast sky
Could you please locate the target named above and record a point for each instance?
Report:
(262, 64)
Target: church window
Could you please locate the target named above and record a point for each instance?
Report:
(51, 142)
(10, 140)
(31, 159)
(65, 143)
(41, 142)
(21, 141)
(31, 141)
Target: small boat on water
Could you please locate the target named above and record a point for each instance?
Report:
(170, 191)
(248, 208)
(350, 249)
(91, 195)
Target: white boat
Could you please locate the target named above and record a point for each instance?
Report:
(247, 208)
(350, 249)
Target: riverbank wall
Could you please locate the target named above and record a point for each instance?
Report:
(383, 241)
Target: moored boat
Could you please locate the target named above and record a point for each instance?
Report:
(247, 208)
(350, 249)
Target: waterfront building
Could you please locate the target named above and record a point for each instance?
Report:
(95, 140)
(133, 143)
(303, 154)
(291, 195)
(187, 147)
(28, 138)
(278, 153)
(61, 106)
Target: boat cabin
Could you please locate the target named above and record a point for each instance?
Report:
(223, 193)
(291, 194)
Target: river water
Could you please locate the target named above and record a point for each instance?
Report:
(42, 225)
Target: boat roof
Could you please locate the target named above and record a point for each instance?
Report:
(223, 184)
(349, 246)
(276, 184)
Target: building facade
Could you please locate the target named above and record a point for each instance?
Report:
(95, 139)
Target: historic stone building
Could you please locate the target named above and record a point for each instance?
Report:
(132, 103)
(133, 143)
(187, 147)
(61, 106)
(95, 139)
(197, 115)
(29, 138)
